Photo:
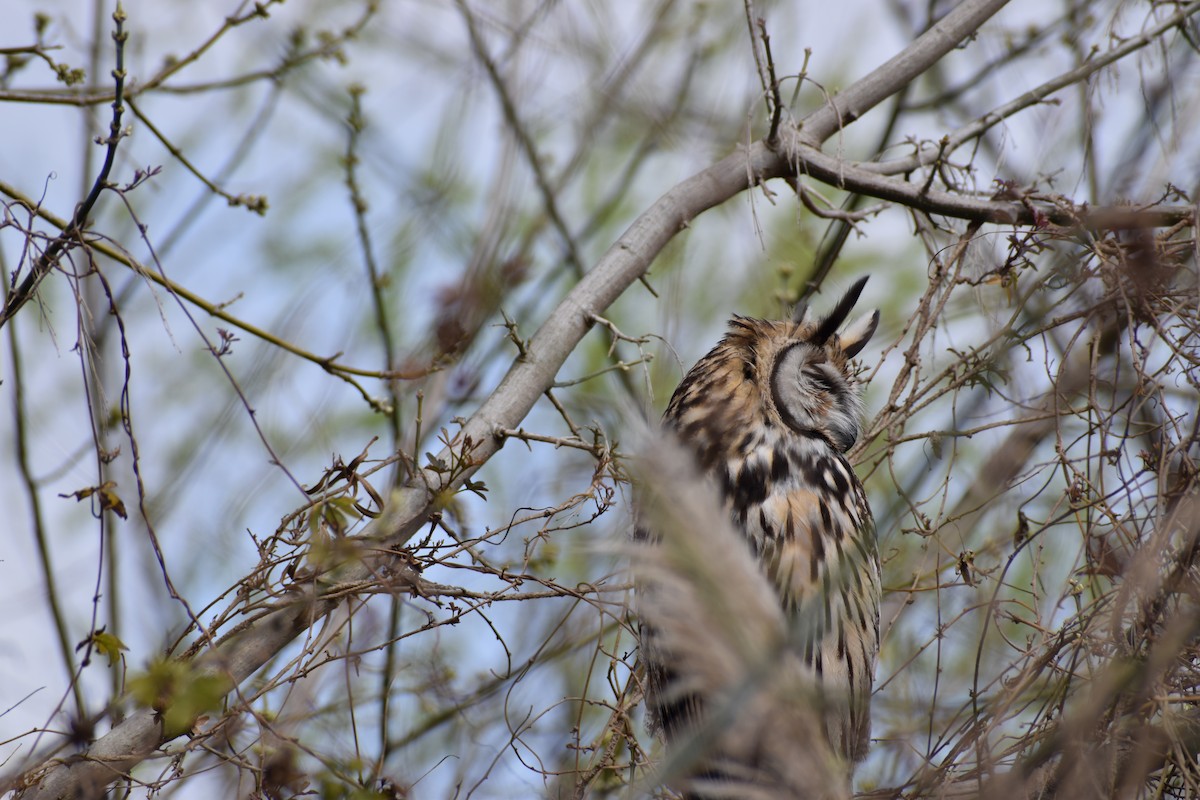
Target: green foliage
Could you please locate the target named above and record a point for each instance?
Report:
(180, 692)
(107, 645)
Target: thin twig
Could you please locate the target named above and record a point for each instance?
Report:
(73, 231)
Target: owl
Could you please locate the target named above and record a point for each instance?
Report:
(767, 416)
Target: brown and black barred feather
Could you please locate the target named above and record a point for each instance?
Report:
(768, 415)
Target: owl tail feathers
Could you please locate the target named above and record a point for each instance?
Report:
(738, 709)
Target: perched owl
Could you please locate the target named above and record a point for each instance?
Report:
(767, 417)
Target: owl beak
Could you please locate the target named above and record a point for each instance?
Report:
(831, 323)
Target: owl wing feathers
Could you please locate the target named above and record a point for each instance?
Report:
(815, 540)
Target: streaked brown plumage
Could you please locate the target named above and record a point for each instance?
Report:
(768, 415)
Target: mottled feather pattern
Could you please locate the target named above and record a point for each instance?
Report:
(768, 415)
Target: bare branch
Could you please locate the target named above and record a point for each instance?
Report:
(898, 71)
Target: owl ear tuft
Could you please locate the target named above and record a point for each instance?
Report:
(831, 323)
(855, 337)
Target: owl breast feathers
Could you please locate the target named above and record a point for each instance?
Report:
(768, 415)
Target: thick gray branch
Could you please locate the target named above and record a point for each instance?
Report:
(853, 177)
(900, 70)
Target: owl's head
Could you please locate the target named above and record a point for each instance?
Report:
(810, 385)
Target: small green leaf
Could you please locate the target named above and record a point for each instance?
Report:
(109, 646)
(345, 505)
(179, 692)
